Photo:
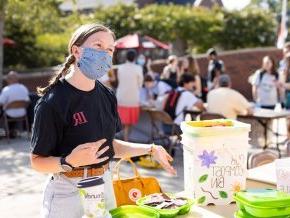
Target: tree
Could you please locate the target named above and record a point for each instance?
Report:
(249, 28)
(272, 5)
(24, 21)
(2, 17)
(121, 18)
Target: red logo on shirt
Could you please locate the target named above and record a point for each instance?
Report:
(79, 118)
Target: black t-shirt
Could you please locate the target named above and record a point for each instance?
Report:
(66, 117)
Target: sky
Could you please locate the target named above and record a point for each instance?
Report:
(235, 4)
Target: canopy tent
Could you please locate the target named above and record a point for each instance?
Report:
(139, 42)
(8, 42)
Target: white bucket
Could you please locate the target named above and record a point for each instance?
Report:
(215, 161)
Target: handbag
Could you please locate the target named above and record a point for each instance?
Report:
(128, 191)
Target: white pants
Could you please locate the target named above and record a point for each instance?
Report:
(62, 200)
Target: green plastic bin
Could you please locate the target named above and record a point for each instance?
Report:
(263, 203)
(244, 214)
(168, 213)
(132, 211)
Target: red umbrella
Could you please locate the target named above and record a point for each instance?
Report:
(136, 41)
(8, 42)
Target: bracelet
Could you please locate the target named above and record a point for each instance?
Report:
(153, 146)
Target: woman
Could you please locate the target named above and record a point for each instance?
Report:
(170, 71)
(147, 92)
(75, 123)
(285, 79)
(266, 86)
(130, 80)
(194, 70)
(217, 70)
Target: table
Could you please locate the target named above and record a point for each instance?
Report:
(265, 117)
(260, 177)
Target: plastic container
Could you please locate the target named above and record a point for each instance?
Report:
(215, 159)
(132, 211)
(283, 174)
(244, 214)
(264, 202)
(168, 213)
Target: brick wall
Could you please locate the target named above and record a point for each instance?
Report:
(240, 64)
(34, 80)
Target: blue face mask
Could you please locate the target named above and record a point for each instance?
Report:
(94, 63)
(141, 61)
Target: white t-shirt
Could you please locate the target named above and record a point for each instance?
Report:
(104, 79)
(130, 78)
(227, 102)
(267, 93)
(14, 92)
(186, 101)
(163, 88)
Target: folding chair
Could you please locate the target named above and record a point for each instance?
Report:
(261, 158)
(7, 120)
(161, 117)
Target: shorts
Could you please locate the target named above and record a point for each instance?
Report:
(129, 115)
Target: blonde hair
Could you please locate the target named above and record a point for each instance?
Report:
(78, 38)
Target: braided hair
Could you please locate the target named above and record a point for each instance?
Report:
(78, 38)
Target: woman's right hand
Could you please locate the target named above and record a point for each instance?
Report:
(87, 154)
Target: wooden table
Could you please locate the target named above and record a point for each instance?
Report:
(260, 177)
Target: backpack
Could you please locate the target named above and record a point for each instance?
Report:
(170, 82)
(204, 88)
(171, 102)
(262, 73)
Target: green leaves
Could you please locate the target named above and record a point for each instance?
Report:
(203, 178)
(41, 31)
(201, 200)
(223, 194)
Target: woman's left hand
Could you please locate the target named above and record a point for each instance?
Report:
(163, 158)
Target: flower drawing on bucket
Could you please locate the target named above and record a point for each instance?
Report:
(236, 187)
(207, 158)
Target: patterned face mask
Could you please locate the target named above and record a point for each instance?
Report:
(94, 63)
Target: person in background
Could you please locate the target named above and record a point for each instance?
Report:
(130, 80)
(151, 72)
(193, 69)
(147, 92)
(141, 60)
(283, 62)
(105, 80)
(215, 74)
(14, 91)
(180, 68)
(266, 86)
(285, 79)
(170, 71)
(213, 62)
(226, 101)
(187, 99)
